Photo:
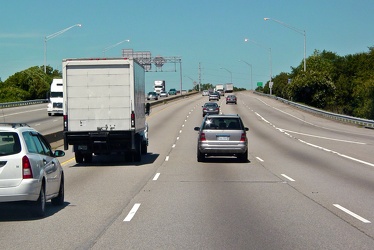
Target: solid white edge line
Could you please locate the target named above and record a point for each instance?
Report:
(352, 214)
(155, 178)
(132, 212)
(287, 177)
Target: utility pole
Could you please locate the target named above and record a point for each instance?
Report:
(199, 73)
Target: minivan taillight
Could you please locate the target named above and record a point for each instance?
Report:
(26, 168)
(202, 137)
(243, 137)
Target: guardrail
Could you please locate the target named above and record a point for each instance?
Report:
(22, 103)
(344, 118)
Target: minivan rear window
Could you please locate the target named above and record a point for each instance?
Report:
(9, 143)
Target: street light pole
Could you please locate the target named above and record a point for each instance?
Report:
(250, 65)
(229, 72)
(270, 57)
(46, 38)
(300, 31)
(114, 45)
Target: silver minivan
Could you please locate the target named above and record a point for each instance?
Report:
(222, 135)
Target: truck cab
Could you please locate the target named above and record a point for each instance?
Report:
(55, 105)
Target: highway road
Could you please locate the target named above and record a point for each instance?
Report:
(308, 184)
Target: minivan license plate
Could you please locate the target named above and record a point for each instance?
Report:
(223, 138)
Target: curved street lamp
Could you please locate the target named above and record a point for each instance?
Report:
(270, 57)
(49, 37)
(300, 31)
(250, 65)
(114, 45)
(229, 72)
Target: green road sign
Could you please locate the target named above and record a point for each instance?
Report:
(259, 84)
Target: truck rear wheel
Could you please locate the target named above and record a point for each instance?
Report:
(137, 154)
(78, 157)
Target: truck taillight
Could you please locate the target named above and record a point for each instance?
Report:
(65, 123)
(133, 119)
(26, 168)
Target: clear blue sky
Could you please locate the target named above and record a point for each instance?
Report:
(199, 31)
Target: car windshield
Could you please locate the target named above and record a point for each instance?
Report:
(230, 123)
(9, 143)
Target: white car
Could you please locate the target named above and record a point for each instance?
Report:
(164, 94)
(29, 170)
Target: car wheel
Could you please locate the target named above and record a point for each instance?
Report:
(200, 156)
(59, 200)
(39, 206)
(243, 157)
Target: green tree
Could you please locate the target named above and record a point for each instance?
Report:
(313, 87)
(31, 83)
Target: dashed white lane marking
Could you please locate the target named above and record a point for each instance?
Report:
(167, 158)
(132, 212)
(287, 177)
(352, 214)
(258, 158)
(155, 178)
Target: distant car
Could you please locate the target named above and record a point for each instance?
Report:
(231, 99)
(214, 96)
(172, 92)
(29, 169)
(221, 92)
(210, 108)
(152, 96)
(164, 94)
(205, 92)
(222, 135)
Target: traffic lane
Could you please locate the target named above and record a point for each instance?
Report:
(322, 176)
(94, 195)
(301, 121)
(352, 142)
(224, 204)
(35, 116)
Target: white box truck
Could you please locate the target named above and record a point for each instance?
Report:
(220, 89)
(55, 98)
(229, 88)
(159, 86)
(104, 108)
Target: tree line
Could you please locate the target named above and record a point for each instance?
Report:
(29, 84)
(340, 84)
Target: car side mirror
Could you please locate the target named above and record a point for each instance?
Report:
(196, 128)
(246, 129)
(58, 153)
(147, 108)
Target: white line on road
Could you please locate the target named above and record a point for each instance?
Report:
(167, 158)
(321, 137)
(287, 177)
(132, 212)
(351, 213)
(156, 177)
(258, 158)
